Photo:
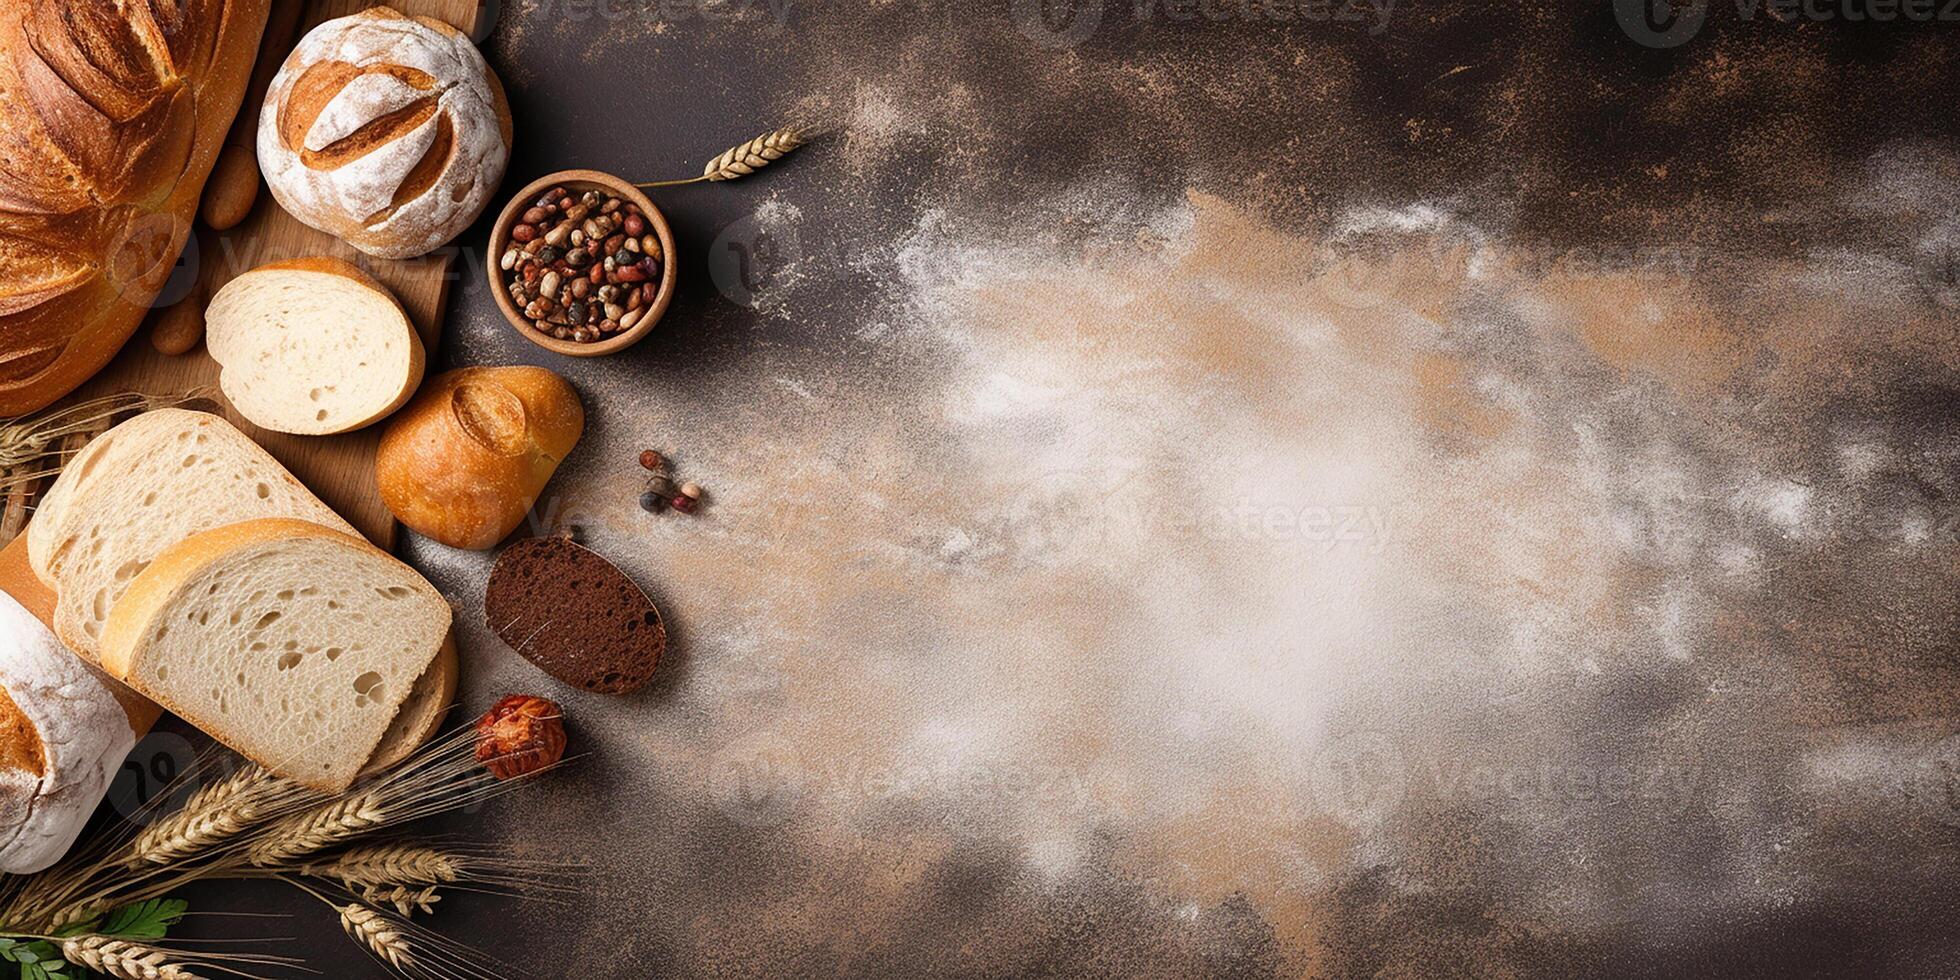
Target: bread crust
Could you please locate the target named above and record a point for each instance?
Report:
(107, 168)
(420, 717)
(160, 580)
(41, 812)
(79, 733)
(464, 461)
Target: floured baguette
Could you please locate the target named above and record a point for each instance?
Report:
(312, 347)
(140, 488)
(292, 643)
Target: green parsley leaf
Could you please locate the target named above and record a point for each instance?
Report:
(143, 920)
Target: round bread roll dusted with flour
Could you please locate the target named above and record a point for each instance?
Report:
(464, 462)
(385, 130)
(312, 347)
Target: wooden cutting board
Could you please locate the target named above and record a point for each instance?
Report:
(340, 469)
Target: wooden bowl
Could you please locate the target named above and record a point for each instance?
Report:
(580, 180)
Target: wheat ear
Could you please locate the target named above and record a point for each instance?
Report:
(406, 899)
(388, 864)
(741, 161)
(31, 440)
(745, 159)
(123, 960)
(215, 814)
(317, 829)
(377, 932)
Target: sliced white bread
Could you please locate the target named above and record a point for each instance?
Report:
(292, 643)
(140, 488)
(312, 347)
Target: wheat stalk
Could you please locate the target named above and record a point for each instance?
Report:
(746, 158)
(317, 829)
(388, 864)
(123, 960)
(377, 932)
(30, 439)
(405, 899)
(216, 814)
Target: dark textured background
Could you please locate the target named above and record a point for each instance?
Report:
(1763, 150)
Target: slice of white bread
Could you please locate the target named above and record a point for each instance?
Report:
(140, 488)
(312, 346)
(292, 643)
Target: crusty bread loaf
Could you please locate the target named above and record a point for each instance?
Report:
(290, 642)
(63, 735)
(312, 346)
(140, 488)
(114, 112)
(464, 461)
(385, 130)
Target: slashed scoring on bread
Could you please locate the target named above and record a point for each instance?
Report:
(465, 460)
(386, 130)
(113, 115)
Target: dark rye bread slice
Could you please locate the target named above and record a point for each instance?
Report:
(575, 615)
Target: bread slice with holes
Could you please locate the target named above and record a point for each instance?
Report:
(140, 488)
(312, 347)
(292, 643)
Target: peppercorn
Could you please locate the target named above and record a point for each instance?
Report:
(652, 502)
